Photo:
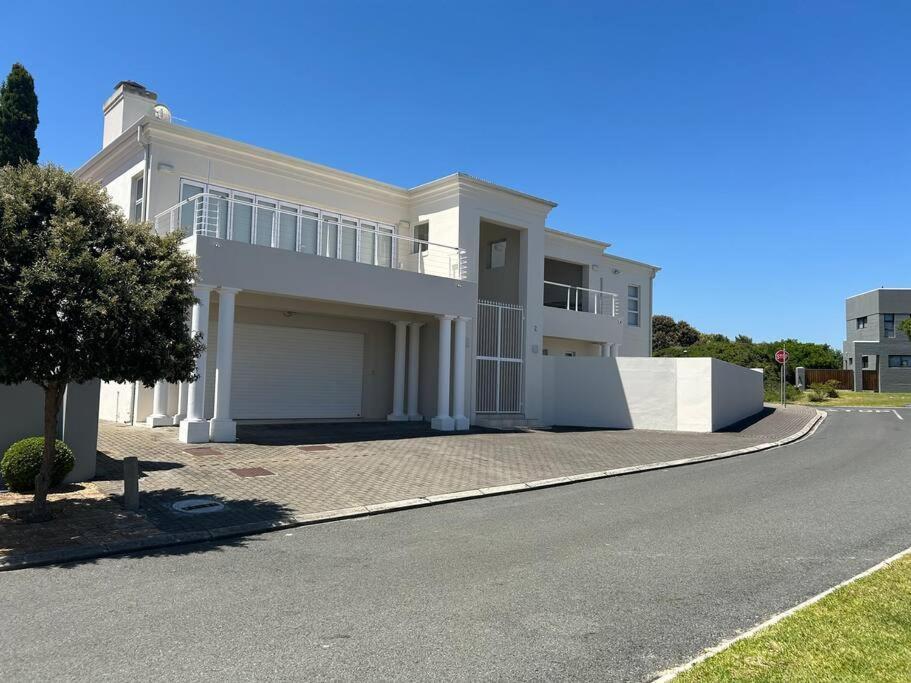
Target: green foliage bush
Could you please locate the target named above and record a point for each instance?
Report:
(820, 391)
(773, 392)
(22, 462)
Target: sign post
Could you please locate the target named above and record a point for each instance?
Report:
(781, 357)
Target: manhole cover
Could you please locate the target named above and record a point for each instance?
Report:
(197, 506)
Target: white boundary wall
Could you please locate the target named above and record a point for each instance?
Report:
(22, 407)
(674, 394)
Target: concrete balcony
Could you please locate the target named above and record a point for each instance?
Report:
(271, 223)
(572, 312)
(319, 256)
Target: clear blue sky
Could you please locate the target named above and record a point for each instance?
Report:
(745, 147)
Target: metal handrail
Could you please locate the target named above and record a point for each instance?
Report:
(206, 219)
(572, 300)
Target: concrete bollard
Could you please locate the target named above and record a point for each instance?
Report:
(131, 483)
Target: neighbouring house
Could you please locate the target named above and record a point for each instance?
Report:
(875, 348)
(328, 296)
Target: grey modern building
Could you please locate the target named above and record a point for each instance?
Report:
(873, 340)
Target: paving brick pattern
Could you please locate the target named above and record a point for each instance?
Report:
(278, 473)
(368, 464)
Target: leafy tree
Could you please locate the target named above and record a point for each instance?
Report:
(905, 326)
(747, 353)
(667, 332)
(18, 118)
(85, 294)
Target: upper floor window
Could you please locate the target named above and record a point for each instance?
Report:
(889, 325)
(422, 235)
(137, 194)
(498, 254)
(632, 305)
(900, 361)
(862, 323)
(242, 217)
(865, 362)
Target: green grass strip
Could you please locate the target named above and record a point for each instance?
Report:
(860, 632)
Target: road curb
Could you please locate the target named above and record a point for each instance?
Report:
(165, 540)
(671, 674)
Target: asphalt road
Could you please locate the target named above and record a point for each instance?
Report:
(610, 580)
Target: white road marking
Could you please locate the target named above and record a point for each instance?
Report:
(897, 415)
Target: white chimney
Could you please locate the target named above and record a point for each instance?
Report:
(129, 103)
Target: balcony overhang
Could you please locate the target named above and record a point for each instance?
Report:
(582, 326)
(268, 270)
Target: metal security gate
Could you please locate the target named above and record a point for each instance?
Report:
(501, 341)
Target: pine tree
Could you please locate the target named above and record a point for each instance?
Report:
(18, 118)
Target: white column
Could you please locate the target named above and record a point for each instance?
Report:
(159, 416)
(414, 364)
(458, 375)
(443, 421)
(182, 390)
(398, 388)
(195, 428)
(221, 427)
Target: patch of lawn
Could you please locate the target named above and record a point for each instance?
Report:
(861, 632)
(859, 398)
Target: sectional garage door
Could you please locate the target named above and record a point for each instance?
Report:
(290, 372)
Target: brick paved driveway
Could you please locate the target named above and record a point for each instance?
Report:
(276, 472)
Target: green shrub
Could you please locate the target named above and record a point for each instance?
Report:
(832, 387)
(773, 392)
(820, 391)
(22, 462)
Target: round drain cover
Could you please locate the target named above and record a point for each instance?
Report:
(197, 506)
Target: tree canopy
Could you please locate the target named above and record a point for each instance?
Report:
(85, 294)
(18, 118)
(744, 351)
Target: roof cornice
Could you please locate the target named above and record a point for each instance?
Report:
(654, 269)
(587, 241)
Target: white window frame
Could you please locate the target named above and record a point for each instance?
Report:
(137, 197)
(330, 219)
(638, 300)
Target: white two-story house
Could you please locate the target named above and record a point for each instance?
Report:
(328, 296)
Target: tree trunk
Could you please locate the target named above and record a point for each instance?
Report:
(53, 393)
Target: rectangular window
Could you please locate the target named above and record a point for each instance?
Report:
(349, 239)
(367, 239)
(242, 218)
(889, 325)
(309, 231)
(190, 211)
(328, 237)
(498, 254)
(632, 305)
(217, 213)
(384, 246)
(862, 323)
(265, 222)
(865, 362)
(422, 234)
(900, 361)
(136, 210)
(287, 227)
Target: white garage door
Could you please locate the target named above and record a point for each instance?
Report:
(290, 372)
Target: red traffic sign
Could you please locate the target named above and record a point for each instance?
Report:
(782, 356)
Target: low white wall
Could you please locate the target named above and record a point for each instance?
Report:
(736, 393)
(22, 407)
(675, 394)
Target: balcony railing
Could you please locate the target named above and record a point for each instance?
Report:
(310, 231)
(572, 298)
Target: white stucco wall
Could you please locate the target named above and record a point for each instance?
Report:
(22, 407)
(674, 394)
